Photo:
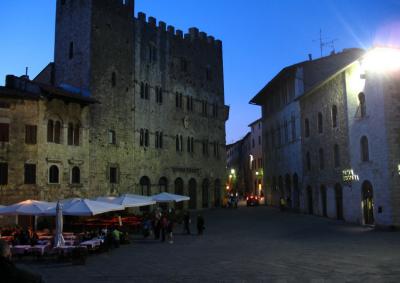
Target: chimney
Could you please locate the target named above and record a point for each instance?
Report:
(309, 56)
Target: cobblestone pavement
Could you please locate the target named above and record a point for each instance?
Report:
(247, 245)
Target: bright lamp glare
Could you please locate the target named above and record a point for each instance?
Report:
(382, 60)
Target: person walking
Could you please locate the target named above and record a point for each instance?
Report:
(200, 224)
(186, 222)
(164, 226)
(170, 228)
(282, 204)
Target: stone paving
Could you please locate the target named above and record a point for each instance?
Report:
(247, 245)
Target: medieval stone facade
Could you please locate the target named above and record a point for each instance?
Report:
(45, 142)
(159, 124)
(349, 143)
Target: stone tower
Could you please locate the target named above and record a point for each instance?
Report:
(94, 51)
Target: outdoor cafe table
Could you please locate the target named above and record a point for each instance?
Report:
(92, 244)
(39, 249)
(66, 249)
(20, 249)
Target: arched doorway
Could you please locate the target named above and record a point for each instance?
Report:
(368, 203)
(217, 193)
(163, 185)
(324, 201)
(179, 191)
(205, 188)
(192, 194)
(310, 200)
(280, 185)
(145, 189)
(288, 191)
(296, 192)
(339, 201)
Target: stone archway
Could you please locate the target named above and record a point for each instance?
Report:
(163, 184)
(217, 193)
(296, 192)
(205, 193)
(192, 194)
(179, 191)
(339, 201)
(145, 187)
(368, 203)
(288, 191)
(310, 203)
(324, 201)
(145, 190)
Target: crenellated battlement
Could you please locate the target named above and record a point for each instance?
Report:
(193, 33)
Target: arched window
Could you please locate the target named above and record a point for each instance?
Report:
(336, 155)
(50, 131)
(76, 134)
(163, 184)
(145, 186)
(177, 142)
(364, 149)
(57, 132)
(71, 50)
(308, 161)
(320, 123)
(146, 91)
(205, 193)
(306, 128)
(53, 175)
(141, 137)
(334, 116)
(113, 79)
(70, 134)
(362, 105)
(146, 138)
(76, 175)
(321, 159)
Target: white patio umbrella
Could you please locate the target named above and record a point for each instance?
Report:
(128, 200)
(85, 207)
(167, 197)
(28, 207)
(58, 237)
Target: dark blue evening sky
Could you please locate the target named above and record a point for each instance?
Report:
(260, 37)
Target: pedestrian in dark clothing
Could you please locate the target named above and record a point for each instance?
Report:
(186, 223)
(200, 224)
(164, 226)
(10, 273)
(170, 229)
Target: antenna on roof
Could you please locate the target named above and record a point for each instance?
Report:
(325, 43)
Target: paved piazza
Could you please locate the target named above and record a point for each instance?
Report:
(247, 245)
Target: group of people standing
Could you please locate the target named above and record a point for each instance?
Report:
(187, 221)
(161, 225)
